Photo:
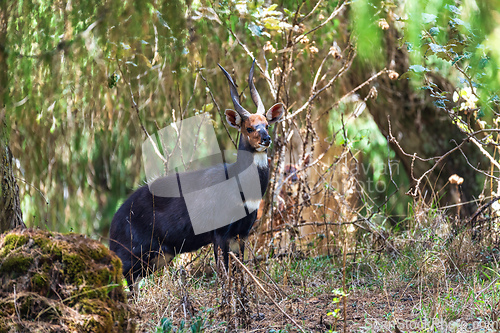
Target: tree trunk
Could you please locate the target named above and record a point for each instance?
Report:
(421, 128)
(10, 208)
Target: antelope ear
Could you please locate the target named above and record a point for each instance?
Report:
(233, 118)
(275, 112)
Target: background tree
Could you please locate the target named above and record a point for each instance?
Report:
(10, 208)
(87, 79)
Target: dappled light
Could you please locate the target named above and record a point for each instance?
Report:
(348, 150)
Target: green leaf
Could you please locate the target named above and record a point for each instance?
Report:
(428, 18)
(271, 8)
(255, 29)
(483, 62)
(271, 23)
(434, 31)
(456, 21)
(439, 104)
(161, 20)
(409, 46)
(453, 9)
(436, 48)
(234, 22)
(480, 113)
(418, 69)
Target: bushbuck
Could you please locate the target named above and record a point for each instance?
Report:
(148, 230)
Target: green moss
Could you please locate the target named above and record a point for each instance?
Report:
(47, 245)
(77, 272)
(13, 241)
(83, 272)
(117, 269)
(46, 267)
(92, 292)
(103, 277)
(3, 326)
(25, 306)
(16, 263)
(98, 253)
(39, 282)
(100, 308)
(93, 326)
(74, 267)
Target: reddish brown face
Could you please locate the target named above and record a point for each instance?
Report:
(255, 128)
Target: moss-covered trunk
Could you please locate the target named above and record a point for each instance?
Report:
(10, 209)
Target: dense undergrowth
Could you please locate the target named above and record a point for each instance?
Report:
(429, 278)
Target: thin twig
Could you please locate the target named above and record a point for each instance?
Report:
(219, 110)
(439, 159)
(344, 287)
(474, 168)
(481, 209)
(373, 77)
(249, 53)
(136, 108)
(265, 291)
(315, 224)
(316, 94)
(312, 11)
(337, 10)
(15, 305)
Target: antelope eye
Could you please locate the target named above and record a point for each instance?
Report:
(249, 130)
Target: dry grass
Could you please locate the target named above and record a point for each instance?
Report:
(427, 278)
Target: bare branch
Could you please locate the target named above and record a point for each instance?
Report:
(219, 110)
(344, 68)
(336, 104)
(473, 167)
(337, 10)
(265, 291)
(413, 193)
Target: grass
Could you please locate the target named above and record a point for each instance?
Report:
(420, 281)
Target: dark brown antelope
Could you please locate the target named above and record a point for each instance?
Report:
(148, 230)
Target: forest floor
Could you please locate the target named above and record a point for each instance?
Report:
(412, 289)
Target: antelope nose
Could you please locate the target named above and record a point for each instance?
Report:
(266, 141)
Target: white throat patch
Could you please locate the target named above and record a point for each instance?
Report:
(252, 205)
(260, 159)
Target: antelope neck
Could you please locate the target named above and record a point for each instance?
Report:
(259, 158)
